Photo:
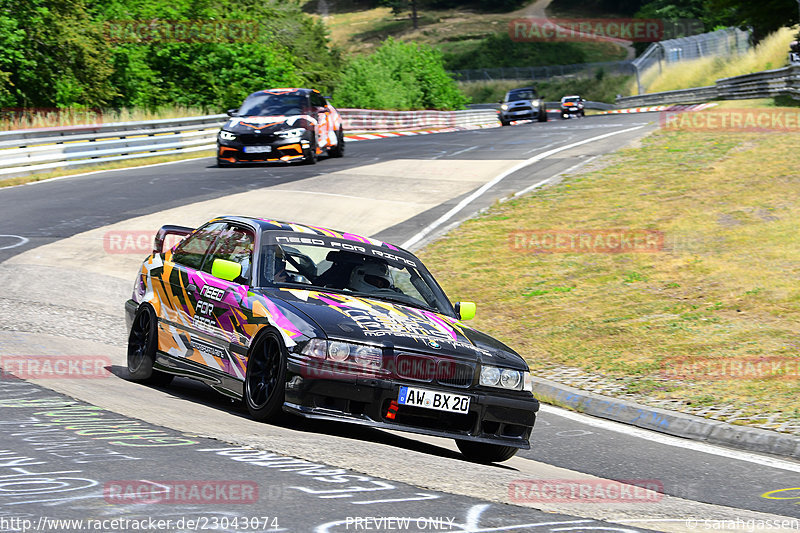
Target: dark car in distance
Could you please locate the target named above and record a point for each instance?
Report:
(326, 325)
(522, 104)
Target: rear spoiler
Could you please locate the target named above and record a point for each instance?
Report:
(158, 243)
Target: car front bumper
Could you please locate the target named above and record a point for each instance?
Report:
(236, 152)
(494, 418)
(511, 116)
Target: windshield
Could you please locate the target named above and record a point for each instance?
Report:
(521, 95)
(273, 104)
(352, 268)
(571, 99)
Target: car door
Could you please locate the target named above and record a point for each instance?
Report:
(324, 121)
(222, 340)
(179, 300)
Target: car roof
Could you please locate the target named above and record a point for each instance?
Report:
(266, 224)
(571, 96)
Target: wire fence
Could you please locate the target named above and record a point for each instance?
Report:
(724, 43)
(721, 43)
(543, 72)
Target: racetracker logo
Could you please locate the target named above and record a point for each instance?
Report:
(135, 241)
(732, 120)
(736, 368)
(54, 366)
(182, 31)
(533, 29)
(596, 241)
(134, 491)
(585, 491)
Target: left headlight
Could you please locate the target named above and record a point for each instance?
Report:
(227, 136)
(291, 134)
(504, 378)
(535, 103)
(360, 354)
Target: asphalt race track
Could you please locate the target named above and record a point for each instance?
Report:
(69, 448)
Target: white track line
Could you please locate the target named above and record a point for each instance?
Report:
(472, 197)
(677, 442)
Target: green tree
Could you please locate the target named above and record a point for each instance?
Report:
(53, 54)
(398, 76)
(764, 17)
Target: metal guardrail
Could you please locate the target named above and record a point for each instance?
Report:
(766, 84)
(25, 152)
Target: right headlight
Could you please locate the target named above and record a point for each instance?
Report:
(227, 136)
(503, 378)
(504, 107)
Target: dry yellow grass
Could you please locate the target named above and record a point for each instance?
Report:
(723, 289)
(771, 53)
(48, 118)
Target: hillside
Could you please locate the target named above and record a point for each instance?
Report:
(468, 38)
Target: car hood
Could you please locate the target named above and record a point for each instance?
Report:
(523, 101)
(266, 124)
(359, 319)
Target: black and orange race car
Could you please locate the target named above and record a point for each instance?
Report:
(281, 125)
(326, 325)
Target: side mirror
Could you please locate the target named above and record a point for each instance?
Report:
(465, 310)
(232, 112)
(227, 270)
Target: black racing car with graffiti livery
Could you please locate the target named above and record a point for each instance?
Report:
(328, 325)
(281, 125)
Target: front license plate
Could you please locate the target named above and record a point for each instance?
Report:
(521, 112)
(441, 401)
(257, 149)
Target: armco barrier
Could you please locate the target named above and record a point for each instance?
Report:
(25, 152)
(766, 84)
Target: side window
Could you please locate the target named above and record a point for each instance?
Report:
(317, 100)
(235, 244)
(191, 251)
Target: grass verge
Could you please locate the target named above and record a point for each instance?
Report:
(673, 324)
(133, 163)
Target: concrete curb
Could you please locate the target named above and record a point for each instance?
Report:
(669, 422)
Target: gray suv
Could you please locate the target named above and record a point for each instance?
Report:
(522, 104)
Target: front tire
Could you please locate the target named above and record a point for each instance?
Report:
(338, 150)
(310, 155)
(543, 115)
(142, 346)
(485, 453)
(265, 381)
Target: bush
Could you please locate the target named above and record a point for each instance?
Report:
(398, 76)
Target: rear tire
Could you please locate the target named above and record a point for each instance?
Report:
(265, 381)
(142, 346)
(485, 453)
(338, 150)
